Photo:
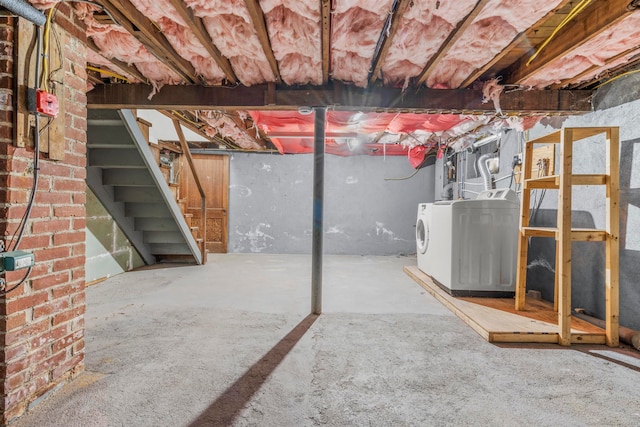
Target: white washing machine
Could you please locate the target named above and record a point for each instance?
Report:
(471, 245)
(422, 236)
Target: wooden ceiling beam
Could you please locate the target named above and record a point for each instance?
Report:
(143, 29)
(386, 37)
(339, 96)
(325, 28)
(597, 17)
(450, 41)
(257, 18)
(129, 69)
(196, 25)
(520, 38)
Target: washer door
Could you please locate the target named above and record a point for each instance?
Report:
(422, 235)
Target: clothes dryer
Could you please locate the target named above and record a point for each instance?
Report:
(472, 244)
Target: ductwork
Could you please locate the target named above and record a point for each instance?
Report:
(484, 169)
(25, 10)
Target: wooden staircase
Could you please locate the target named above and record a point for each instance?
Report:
(125, 176)
(564, 234)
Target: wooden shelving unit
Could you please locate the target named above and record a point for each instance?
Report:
(564, 234)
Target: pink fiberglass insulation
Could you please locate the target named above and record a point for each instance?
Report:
(294, 32)
(223, 125)
(491, 31)
(423, 28)
(229, 24)
(181, 38)
(44, 4)
(356, 28)
(600, 72)
(620, 38)
(115, 42)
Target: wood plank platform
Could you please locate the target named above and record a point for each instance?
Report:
(496, 320)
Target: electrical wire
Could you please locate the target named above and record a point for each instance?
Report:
(56, 37)
(575, 11)
(44, 84)
(5, 291)
(108, 72)
(413, 174)
(36, 159)
(616, 78)
(537, 203)
(36, 169)
(403, 178)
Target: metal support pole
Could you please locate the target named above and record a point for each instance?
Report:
(318, 201)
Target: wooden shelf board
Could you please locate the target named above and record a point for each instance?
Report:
(582, 133)
(496, 320)
(549, 182)
(540, 231)
(578, 134)
(588, 235)
(594, 179)
(551, 138)
(577, 234)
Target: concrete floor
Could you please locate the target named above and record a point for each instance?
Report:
(230, 343)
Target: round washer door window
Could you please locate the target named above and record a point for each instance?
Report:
(422, 236)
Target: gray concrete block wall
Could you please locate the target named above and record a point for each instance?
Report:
(108, 251)
(270, 204)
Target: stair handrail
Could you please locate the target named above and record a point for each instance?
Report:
(196, 178)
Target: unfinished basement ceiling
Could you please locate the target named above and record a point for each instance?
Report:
(493, 50)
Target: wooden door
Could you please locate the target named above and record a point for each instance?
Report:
(213, 171)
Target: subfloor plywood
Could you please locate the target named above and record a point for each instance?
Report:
(496, 319)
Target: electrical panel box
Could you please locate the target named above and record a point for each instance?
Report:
(16, 260)
(46, 103)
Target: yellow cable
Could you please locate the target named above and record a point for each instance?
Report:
(44, 84)
(616, 78)
(575, 11)
(108, 72)
(185, 118)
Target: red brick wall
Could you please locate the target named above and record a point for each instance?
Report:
(42, 322)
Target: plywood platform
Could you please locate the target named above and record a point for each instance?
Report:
(496, 319)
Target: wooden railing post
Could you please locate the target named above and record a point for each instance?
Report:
(203, 206)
